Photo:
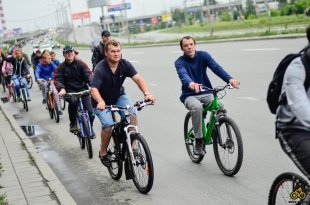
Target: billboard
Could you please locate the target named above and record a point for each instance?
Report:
(97, 3)
(118, 7)
(80, 15)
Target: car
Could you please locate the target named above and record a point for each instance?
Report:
(46, 46)
(55, 45)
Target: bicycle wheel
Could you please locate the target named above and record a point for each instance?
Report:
(62, 103)
(50, 105)
(3, 83)
(189, 139)
(229, 154)
(30, 82)
(55, 109)
(24, 98)
(87, 137)
(79, 135)
(116, 168)
(288, 188)
(142, 169)
(13, 93)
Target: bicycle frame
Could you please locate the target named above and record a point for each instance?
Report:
(80, 113)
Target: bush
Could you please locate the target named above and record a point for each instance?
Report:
(251, 16)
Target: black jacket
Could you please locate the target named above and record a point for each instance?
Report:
(20, 67)
(73, 77)
(98, 54)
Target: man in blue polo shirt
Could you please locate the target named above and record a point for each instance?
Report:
(107, 89)
(192, 71)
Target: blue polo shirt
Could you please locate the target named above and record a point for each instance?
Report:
(109, 84)
(195, 70)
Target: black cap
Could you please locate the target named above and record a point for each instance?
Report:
(67, 48)
(105, 33)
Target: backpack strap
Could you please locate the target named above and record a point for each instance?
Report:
(306, 62)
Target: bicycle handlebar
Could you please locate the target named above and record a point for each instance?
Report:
(78, 94)
(217, 89)
(138, 104)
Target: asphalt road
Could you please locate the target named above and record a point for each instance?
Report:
(177, 179)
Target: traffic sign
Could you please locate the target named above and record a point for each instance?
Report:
(119, 7)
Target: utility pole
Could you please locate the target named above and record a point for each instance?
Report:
(126, 22)
(70, 13)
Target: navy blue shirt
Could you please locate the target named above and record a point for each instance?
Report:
(109, 84)
(195, 70)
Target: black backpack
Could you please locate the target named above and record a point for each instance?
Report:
(275, 86)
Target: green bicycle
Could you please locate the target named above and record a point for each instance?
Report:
(221, 131)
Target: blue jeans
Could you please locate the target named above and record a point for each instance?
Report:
(105, 116)
(18, 83)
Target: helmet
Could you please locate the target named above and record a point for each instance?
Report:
(67, 48)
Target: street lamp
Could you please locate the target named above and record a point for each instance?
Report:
(74, 36)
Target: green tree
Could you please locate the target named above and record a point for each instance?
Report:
(250, 8)
(178, 17)
(211, 2)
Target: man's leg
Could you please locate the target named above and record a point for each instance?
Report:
(124, 100)
(72, 111)
(89, 107)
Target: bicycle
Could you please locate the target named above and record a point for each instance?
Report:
(84, 131)
(29, 82)
(129, 149)
(289, 188)
(23, 94)
(62, 103)
(221, 131)
(3, 83)
(51, 104)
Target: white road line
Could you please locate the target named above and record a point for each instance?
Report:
(248, 98)
(134, 61)
(261, 49)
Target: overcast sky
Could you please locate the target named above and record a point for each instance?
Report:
(31, 14)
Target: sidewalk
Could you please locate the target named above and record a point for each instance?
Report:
(26, 178)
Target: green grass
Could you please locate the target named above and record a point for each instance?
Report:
(3, 200)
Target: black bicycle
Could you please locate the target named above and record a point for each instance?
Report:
(129, 149)
(289, 188)
(84, 131)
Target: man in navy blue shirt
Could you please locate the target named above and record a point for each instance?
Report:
(107, 89)
(192, 71)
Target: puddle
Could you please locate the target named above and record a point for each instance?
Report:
(17, 116)
(32, 130)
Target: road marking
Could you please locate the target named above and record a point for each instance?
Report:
(248, 98)
(134, 61)
(261, 49)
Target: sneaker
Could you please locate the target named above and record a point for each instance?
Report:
(105, 160)
(18, 99)
(59, 112)
(199, 147)
(73, 127)
(28, 99)
(43, 101)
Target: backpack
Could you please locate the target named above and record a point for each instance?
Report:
(275, 86)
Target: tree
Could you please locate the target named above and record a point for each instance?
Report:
(178, 17)
(250, 8)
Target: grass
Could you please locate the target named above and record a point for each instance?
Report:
(3, 200)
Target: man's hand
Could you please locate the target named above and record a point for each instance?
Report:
(101, 105)
(28, 75)
(62, 92)
(194, 86)
(149, 97)
(235, 83)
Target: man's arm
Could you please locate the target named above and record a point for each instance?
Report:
(139, 80)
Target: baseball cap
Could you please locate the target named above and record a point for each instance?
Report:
(67, 48)
(105, 33)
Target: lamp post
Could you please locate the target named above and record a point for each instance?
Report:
(126, 22)
(70, 12)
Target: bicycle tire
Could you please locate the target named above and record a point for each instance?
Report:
(283, 187)
(3, 83)
(55, 109)
(50, 105)
(113, 150)
(231, 135)
(143, 170)
(87, 137)
(14, 94)
(80, 138)
(29, 82)
(62, 103)
(189, 139)
(24, 99)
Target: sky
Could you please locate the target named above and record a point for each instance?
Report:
(39, 14)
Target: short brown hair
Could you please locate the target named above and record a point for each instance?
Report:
(186, 37)
(111, 42)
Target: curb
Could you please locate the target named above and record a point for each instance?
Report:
(47, 173)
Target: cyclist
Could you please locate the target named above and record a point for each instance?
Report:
(35, 59)
(7, 71)
(44, 72)
(98, 53)
(107, 89)
(20, 70)
(192, 71)
(55, 61)
(293, 116)
(73, 75)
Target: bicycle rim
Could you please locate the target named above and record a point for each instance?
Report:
(56, 114)
(29, 82)
(116, 169)
(189, 139)
(62, 103)
(143, 169)
(229, 155)
(288, 188)
(87, 137)
(24, 96)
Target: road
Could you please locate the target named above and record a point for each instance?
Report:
(177, 179)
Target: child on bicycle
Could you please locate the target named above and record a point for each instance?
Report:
(192, 71)
(7, 70)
